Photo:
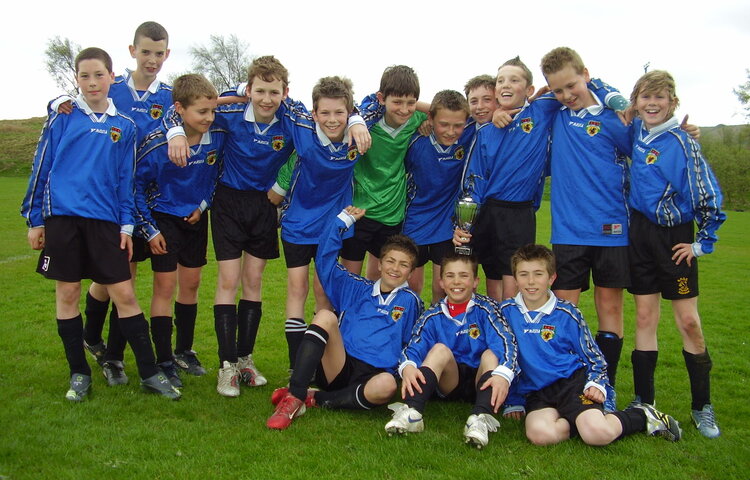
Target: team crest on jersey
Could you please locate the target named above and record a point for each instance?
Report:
(397, 313)
(156, 111)
(652, 157)
(527, 124)
(593, 128)
(474, 331)
(585, 400)
(459, 154)
(115, 134)
(547, 332)
(682, 286)
(278, 142)
(211, 157)
(351, 154)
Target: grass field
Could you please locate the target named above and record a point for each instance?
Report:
(123, 433)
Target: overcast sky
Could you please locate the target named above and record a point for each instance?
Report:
(704, 45)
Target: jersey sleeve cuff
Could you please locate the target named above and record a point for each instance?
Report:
(203, 206)
(597, 386)
(277, 188)
(175, 132)
(404, 364)
(616, 101)
(346, 218)
(697, 249)
(504, 372)
(356, 120)
(127, 230)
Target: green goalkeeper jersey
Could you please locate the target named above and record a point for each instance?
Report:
(380, 177)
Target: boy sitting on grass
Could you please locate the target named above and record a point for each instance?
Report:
(563, 373)
(354, 356)
(461, 349)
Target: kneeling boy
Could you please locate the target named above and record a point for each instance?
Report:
(464, 351)
(354, 356)
(563, 371)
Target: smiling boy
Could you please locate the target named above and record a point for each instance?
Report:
(564, 375)
(433, 179)
(480, 93)
(90, 150)
(461, 349)
(380, 178)
(171, 204)
(354, 356)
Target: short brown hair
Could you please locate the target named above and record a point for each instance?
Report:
(453, 256)
(516, 62)
(190, 87)
(269, 69)
(532, 252)
(449, 100)
(653, 82)
(334, 87)
(560, 57)
(151, 30)
(399, 81)
(479, 81)
(94, 53)
(401, 243)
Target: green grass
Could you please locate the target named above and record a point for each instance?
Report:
(123, 433)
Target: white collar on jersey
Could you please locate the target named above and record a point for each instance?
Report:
(647, 135)
(205, 140)
(391, 295)
(81, 102)
(546, 309)
(446, 311)
(326, 142)
(593, 109)
(393, 132)
(440, 148)
(153, 88)
(250, 117)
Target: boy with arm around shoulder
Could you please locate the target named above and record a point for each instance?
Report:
(69, 227)
(171, 204)
(564, 375)
(671, 187)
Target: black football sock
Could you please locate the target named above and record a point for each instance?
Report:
(310, 352)
(248, 320)
(351, 397)
(184, 322)
(633, 420)
(116, 341)
(135, 330)
(225, 324)
(483, 402)
(161, 334)
(418, 400)
(71, 334)
(294, 329)
(96, 314)
(644, 365)
(699, 369)
(611, 346)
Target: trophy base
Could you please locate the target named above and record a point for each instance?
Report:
(463, 250)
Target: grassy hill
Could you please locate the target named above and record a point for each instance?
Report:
(18, 140)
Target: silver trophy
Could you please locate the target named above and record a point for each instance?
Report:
(466, 214)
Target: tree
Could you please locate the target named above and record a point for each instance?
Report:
(743, 94)
(61, 54)
(224, 62)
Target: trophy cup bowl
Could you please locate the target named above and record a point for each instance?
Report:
(466, 214)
